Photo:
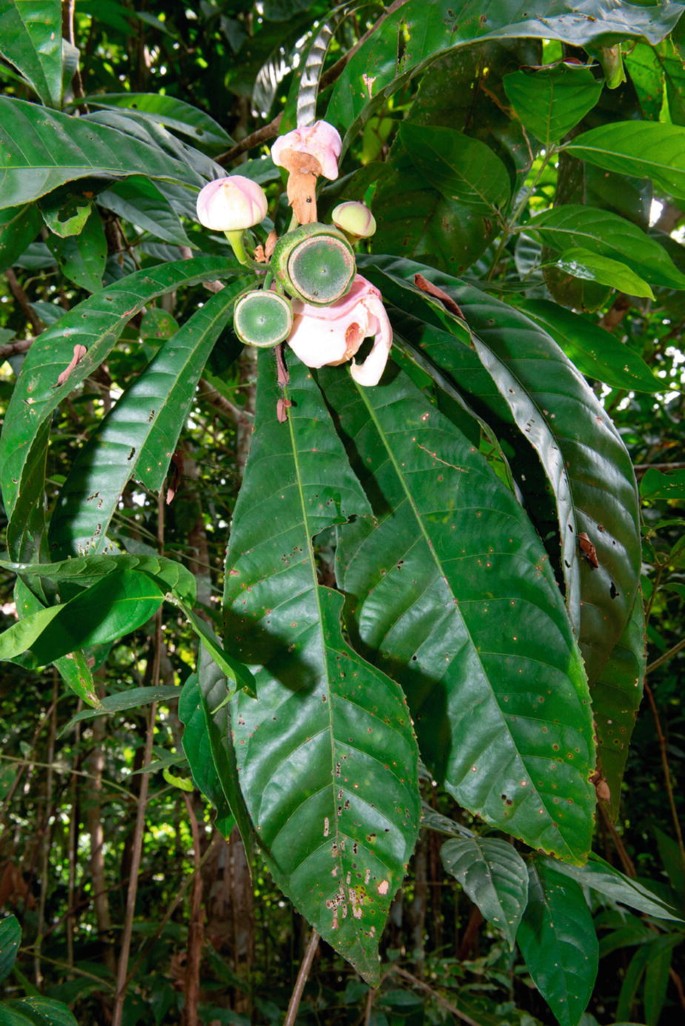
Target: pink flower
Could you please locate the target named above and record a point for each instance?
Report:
(319, 140)
(330, 335)
(231, 204)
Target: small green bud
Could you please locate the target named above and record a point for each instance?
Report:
(355, 219)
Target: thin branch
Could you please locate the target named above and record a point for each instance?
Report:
(15, 348)
(665, 657)
(301, 980)
(666, 769)
(223, 405)
(23, 301)
(438, 998)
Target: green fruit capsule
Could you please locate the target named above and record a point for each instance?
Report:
(314, 263)
(262, 319)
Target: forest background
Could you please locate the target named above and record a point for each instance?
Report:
(525, 165)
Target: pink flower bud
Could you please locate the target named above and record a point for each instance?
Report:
(319, 140)
(231, 204)
(355, 219)
(329, 335)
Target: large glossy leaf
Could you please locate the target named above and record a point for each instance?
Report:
(139, 201)
(138, 437)
(594, 351)
(18, 227)
(217, 706)
(452, 591)
(94, 324)
(558, 942)
(589, 266)
(197, 747)
(605, 879)
(572, 226)
(616, 697)
(31, 40)
(643, 149)
(56, 148)
(380, 66)
(441, 197)
(551, 101)
(104, 612)
(36, 1011)
(10, 939)
(74, 668)
(81, 258)
(167, 110)
(583, 456)
(326, 753)
(494, 876)
(89, 570)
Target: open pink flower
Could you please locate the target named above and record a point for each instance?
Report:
(319, 140)
(330, 335)
(231, 204)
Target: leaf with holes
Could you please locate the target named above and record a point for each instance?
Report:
(326, 753)
(494, 876)
(453, 595)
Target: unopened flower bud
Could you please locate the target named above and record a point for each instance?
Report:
(354, 219)
(231, 204)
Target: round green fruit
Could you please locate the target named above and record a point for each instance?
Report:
(262, 319)
(314, 263)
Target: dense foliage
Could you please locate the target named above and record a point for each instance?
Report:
(406, 692)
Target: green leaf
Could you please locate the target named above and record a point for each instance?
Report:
(379, 67)
(138, 200)
(494, 876)
(10, 939)
(74, 668)
(331, 785)
(81, 258)
(167, 110)
(232, 668)
(558, 942)
(18, 228)
(132, 698)
(656, 978)
(449, 553)
(95, 324)
(582, 454)
(65, 215)
(197, 748)
(616, 696)
(643, 149)
(582, 263)
(139, 435)
(35, 1011)
(57, 149)
(572, 225)
(104, 612)
(440, 197)
(594, 351)
(91, 569)
(217, 708)
(602, 877)
(31, 40)
(657, 485)
(551, 101)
